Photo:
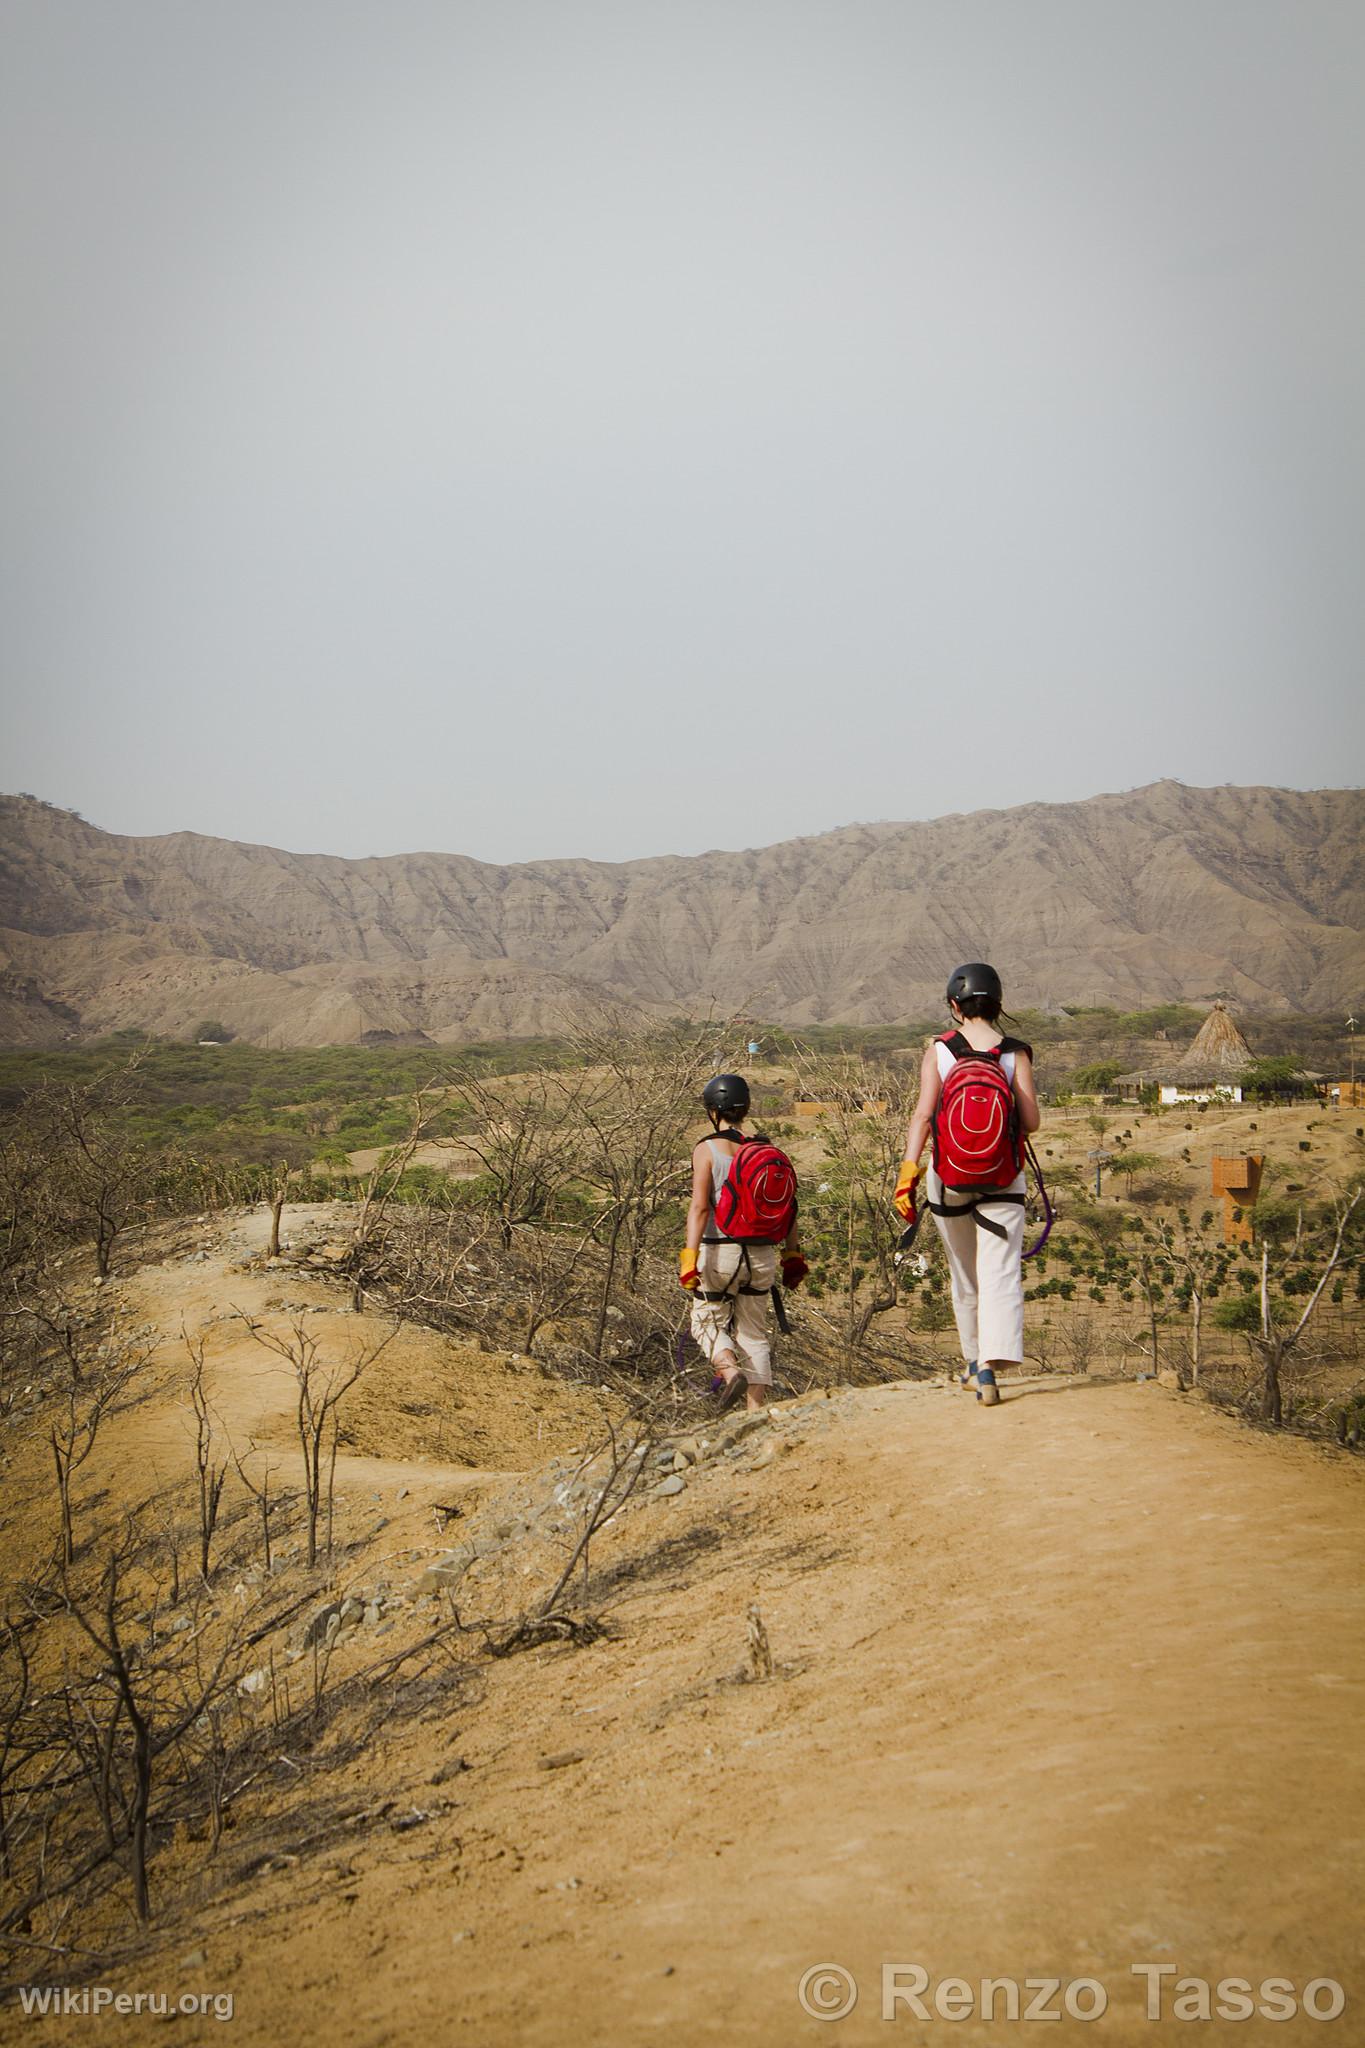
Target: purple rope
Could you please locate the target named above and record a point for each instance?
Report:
(1049, 1217)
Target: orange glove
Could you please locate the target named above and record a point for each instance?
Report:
(903, 1201)
(688, 1276)
(794, 1270)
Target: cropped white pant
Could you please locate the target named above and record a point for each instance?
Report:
(987, 1275)
(738, 1322)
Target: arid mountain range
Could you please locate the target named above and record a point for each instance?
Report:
(1158, 893)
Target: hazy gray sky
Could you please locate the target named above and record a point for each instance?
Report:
(470, 426)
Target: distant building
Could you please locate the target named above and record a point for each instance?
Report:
(1211, 1070)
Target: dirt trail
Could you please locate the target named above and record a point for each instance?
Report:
(1062, 1687)
(253, 1392)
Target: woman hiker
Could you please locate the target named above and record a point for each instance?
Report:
(731, 1277)
(982, 1225)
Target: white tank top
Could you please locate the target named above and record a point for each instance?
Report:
(720, 1173)
(946, 1062)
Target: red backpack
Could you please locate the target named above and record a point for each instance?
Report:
(757, 1204)
(977, 1140)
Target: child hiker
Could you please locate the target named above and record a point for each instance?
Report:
(977, 1098)
(740, 1224)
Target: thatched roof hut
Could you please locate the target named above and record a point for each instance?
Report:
(1219, 1050)
(1217, 1060)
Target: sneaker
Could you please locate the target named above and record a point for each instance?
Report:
(968, 1376)
(987, 1392)
(727, 1392)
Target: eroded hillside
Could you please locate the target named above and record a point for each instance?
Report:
(1164, 892)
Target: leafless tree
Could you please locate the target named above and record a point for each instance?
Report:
(1150, 1286)
(1276, 1340)
(153, 1716)
(631, 1145)
(259, 1489)
(847, 1219)
(18, 1683)
(321, 1384)
(523, 1137)
(78, 1749)
(97, 1175)
(209, 1471)
(83, 1407)
(1078, 1341)
(25, 1172)
(379, 1188)
(1198, 1262)
(612, 1471)
(552, 1280)
(617, 1469)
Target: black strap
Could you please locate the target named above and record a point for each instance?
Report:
(744, 1265)
(962, 1048)
(972, 1208)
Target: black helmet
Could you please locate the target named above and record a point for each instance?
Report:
(727, 1095)
(975, 979)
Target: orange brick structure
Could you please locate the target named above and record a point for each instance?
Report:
(1238, 1180)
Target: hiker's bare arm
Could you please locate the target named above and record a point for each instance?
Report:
(700, 1206)
(1025, 1094)
(917, 1137)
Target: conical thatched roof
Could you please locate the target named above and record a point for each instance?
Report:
(1219, 1048)
(1218, 1057)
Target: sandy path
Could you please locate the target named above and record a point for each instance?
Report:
(252, 1391)
(1067, 1686)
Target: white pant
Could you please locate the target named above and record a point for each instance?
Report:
(987, 1274)
(738, 1322)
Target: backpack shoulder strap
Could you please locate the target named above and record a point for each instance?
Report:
(962, 1048)
(1015, 1045)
